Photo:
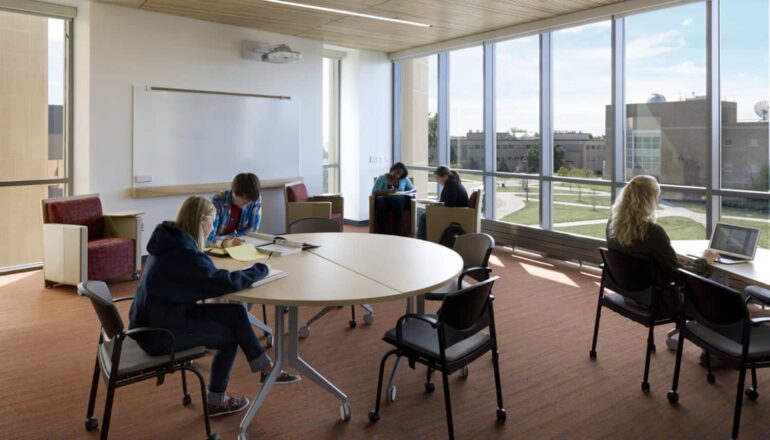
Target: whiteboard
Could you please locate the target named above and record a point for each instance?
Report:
(182, 138)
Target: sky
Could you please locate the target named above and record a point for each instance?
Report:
(665, 54)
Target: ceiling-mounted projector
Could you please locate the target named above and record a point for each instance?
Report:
(277, 54)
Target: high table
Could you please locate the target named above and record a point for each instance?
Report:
(751, 272)
(347, 269)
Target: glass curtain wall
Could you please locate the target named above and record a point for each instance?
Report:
(34, 147)
(712, 162)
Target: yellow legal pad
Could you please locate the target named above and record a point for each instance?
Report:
(245, 252)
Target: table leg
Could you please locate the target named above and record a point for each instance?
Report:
(274, 373)
(291, 359)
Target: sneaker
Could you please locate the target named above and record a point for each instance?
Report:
(283, 378)
(229, 406)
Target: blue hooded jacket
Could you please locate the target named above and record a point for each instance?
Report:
(177, 275)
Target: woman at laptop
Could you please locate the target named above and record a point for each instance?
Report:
(176, 276)
(632, 230)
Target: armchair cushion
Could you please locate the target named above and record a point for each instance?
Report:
(110, 258)
(420, 337)
(296, 193)
(84, 212)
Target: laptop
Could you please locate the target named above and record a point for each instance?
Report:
(735, 244)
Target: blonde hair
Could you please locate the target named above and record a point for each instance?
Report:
(634, 210)
(190, 218)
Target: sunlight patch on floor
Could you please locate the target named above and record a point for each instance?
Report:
(548, 274)
(9, 279)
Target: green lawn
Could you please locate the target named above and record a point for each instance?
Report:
(530, 214)
(677, 228)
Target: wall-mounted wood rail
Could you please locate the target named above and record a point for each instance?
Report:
(202, 188)
(213, 92)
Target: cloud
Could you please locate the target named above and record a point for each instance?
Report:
(654, 45)
(687, 22)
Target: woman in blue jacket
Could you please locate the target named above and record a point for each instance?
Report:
(176, 276)
(384, 190)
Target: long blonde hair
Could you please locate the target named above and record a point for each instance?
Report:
(634, 210)
(190, 218)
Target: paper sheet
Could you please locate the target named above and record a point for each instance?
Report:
(245, 252)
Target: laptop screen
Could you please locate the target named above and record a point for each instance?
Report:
(734, 240)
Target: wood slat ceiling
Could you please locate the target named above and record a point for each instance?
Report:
(449, 18)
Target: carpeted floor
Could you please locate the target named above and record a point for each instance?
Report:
(544, 310)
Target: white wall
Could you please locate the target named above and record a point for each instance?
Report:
(366, 128)
(126, 47)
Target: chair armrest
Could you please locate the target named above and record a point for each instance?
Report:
(757, 293)
(470, 272)
(137, 330)
(429, 319)
(438, 218)
(65, 253)
(124, 214)
(122, 298)
(336, 200)
(301, 210)
(126, 226)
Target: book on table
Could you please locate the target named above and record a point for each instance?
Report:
(276, 245)
(272, 275)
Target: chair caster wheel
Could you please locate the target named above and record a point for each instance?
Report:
(646, 386)
(501, 415)
(464, 371)
(91, 424)
(269, 341)
(304, 332)
(186, 400)
(710, 378)
(345, 411)
(390, 396)
(373, 416)
(429, 387)
(213, 436)
(368, 319)
(352, 323)
(752, 394)
(592, 355)
(673, 397)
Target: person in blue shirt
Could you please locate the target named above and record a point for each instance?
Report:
(177, 275)
(384, 190)
(238, 211)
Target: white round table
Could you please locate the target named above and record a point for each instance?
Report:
(347, 269)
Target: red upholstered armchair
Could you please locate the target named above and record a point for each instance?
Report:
(81, 243)
(300, 206)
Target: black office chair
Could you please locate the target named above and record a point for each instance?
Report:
(716, 319)
(475, 250)
(630, 277)
(122, 362)
(308, 225)
(448, 341)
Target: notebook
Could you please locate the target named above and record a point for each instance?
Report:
(735, 244)
(274, 274)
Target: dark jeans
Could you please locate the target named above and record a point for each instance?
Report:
(394, 204)
(422, 227)
(221, 327)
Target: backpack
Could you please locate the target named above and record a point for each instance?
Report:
(450, 234)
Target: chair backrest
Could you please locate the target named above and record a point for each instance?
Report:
(712, 304)
(474, 200)
(475, 249)
(466, 312)
(101, 300)
(78, 210)
(307, 225)
(628, 275)
(296, 192)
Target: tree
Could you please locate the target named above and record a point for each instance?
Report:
(432, 137)
(558, 157)
(532, 158)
